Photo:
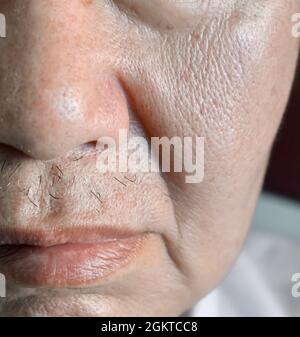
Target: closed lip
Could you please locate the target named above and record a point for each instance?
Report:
(68, 257)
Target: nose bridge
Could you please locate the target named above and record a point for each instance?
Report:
(60, 94)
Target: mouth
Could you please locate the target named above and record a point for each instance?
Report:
(69, 258)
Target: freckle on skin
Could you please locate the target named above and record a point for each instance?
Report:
(87, 2)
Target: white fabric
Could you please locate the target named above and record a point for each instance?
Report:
(260, 282)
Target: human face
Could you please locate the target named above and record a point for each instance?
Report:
(76, 242)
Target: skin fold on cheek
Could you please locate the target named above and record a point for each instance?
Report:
(164, 14)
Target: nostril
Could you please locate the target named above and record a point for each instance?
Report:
(90, 146)
(83, 150)
(8, 151)
(93, 144)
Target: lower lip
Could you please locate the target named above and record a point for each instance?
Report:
(69, 265)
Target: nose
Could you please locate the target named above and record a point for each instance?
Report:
(58, 85)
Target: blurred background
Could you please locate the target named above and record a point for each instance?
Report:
(283, 176)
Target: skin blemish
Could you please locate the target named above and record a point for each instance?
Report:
(87, 2)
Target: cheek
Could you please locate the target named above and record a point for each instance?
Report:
(229, 82)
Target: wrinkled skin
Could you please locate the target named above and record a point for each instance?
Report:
(72, 71)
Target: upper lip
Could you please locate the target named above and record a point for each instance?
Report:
(47, 237)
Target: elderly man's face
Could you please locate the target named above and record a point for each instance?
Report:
(75, 241)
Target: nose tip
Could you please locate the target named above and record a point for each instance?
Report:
(57, 119)
(73, 116)
(57, 91)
